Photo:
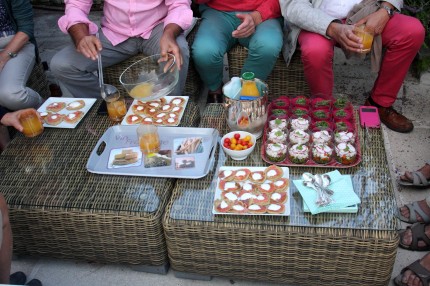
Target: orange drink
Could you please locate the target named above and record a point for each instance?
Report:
(366, 38)
(149, 141)
(115, 103)
(31, 123)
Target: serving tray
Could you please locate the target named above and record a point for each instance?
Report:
(332, 164)
(219, 193)
(185, 153)
(89, 102)
(166, 99)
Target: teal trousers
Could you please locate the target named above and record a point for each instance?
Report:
(214, 38)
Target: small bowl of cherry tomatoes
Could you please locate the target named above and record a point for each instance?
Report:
(238, 144)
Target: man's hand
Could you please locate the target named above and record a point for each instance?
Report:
(247, 27)
(375, 22)
(4, 58)
(12, 118)
(168, 43)
(344, 36)
(86, 44)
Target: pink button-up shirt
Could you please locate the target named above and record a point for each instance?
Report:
(128, 18)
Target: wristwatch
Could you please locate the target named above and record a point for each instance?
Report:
(389, 10)
(12, 55)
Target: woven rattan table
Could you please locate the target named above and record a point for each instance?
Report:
(301, 249)
(59, 209)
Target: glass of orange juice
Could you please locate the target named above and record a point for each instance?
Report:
(149, 141)
(366, 38)
(31, 123)
(115, 103)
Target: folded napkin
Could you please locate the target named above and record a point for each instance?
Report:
(343, 196)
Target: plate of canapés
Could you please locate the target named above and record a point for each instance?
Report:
(165, 111)
(314, 132)
(63, 112)
(252, 191)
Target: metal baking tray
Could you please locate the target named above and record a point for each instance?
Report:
(109, 156)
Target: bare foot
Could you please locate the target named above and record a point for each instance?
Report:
(410, 278)
(407, 236)
(425, 170)
(422, 204)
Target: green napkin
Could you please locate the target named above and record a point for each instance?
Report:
(343, 196)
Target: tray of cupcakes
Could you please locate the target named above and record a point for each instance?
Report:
(315, 132)
(252, 191)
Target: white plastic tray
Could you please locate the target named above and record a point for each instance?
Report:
(120, 137)
(218, 192)
(168, 99)
(89, 102)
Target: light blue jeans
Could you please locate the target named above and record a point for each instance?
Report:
(214, 39)
(74, 71)
(14, 94)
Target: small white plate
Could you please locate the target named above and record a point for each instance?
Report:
(218, 191)
(89, 102)
(168, 99)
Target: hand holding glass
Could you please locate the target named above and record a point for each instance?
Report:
(366, 38)
(31, 123)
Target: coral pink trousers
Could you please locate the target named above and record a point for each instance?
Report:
(402, 37)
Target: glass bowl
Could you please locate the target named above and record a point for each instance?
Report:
(151, 77)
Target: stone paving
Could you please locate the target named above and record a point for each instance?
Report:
(352, 77)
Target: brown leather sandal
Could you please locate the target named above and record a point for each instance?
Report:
(418, 234)
(422, 273)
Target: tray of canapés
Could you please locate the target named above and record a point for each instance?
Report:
(165, 111)
(315, 132)
(252, 191)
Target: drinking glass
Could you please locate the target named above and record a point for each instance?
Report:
(366, 38)
(149, 140)
(31, 123)
(115, 103)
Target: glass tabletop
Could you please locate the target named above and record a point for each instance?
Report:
(371, 181)
(49, 171)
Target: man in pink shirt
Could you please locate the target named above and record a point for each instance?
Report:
(127, 28)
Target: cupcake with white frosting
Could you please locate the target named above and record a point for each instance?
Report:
(322, 153)
(278, 123)
(321, 136)
(277, 136)
(299, 136)
(276, 152)
(346, 153)
(301, 123)
(298, 153)
(344, 137)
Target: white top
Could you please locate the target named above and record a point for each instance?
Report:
(338, 8)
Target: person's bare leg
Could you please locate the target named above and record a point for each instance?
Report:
(410, 278)
(6, 245)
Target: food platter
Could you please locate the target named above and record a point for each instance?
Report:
(257, 194)
(185, 152)
(64, 112)
(295, 139)
(165, 111)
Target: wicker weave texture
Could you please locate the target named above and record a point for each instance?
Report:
(59, 209)
(283, 80)
(332, 249)
(38, 81)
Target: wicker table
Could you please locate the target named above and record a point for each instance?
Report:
(301, 249)
(59, 209)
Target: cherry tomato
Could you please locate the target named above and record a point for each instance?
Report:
(237, 136)
(226, 145)
(227, 140)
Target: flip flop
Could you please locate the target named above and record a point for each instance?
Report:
(418, 180)
(418, 234)
(422, 273)
(414, 208)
